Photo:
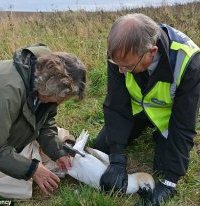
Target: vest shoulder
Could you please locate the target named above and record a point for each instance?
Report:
(177, 36)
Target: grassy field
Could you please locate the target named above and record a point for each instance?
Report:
(84, 34)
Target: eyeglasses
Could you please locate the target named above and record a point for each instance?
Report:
(130, 68)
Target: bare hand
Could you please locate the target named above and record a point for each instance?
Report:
(64, 162)
(46, 180)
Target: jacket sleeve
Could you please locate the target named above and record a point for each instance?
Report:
(12, 163)
(117, 109)
(182, 122)
(48, 138)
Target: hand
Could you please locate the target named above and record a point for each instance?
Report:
(64, 162)
(115, 175)
(162, 193)
(46, 180)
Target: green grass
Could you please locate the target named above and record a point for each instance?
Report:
(84, 34)
(83, 195)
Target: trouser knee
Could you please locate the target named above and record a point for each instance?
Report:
(101, 142)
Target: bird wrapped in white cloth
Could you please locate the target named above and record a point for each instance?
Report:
(89, 169)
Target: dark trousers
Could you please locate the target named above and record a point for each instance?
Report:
(140, 122)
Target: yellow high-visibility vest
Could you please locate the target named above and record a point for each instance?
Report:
(157, 103)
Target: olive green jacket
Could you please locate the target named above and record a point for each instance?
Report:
(22, 121)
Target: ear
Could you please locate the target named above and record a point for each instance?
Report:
(153, 50)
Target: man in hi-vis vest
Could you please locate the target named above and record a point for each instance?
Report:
(153, 80)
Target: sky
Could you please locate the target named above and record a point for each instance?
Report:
(52, 5)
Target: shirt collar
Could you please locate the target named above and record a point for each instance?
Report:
(154, 64)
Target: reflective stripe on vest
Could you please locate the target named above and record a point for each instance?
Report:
(157, 103)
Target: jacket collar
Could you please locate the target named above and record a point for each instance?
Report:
(25, 65)
(24, 60)
(163, 71)
(32, 95)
